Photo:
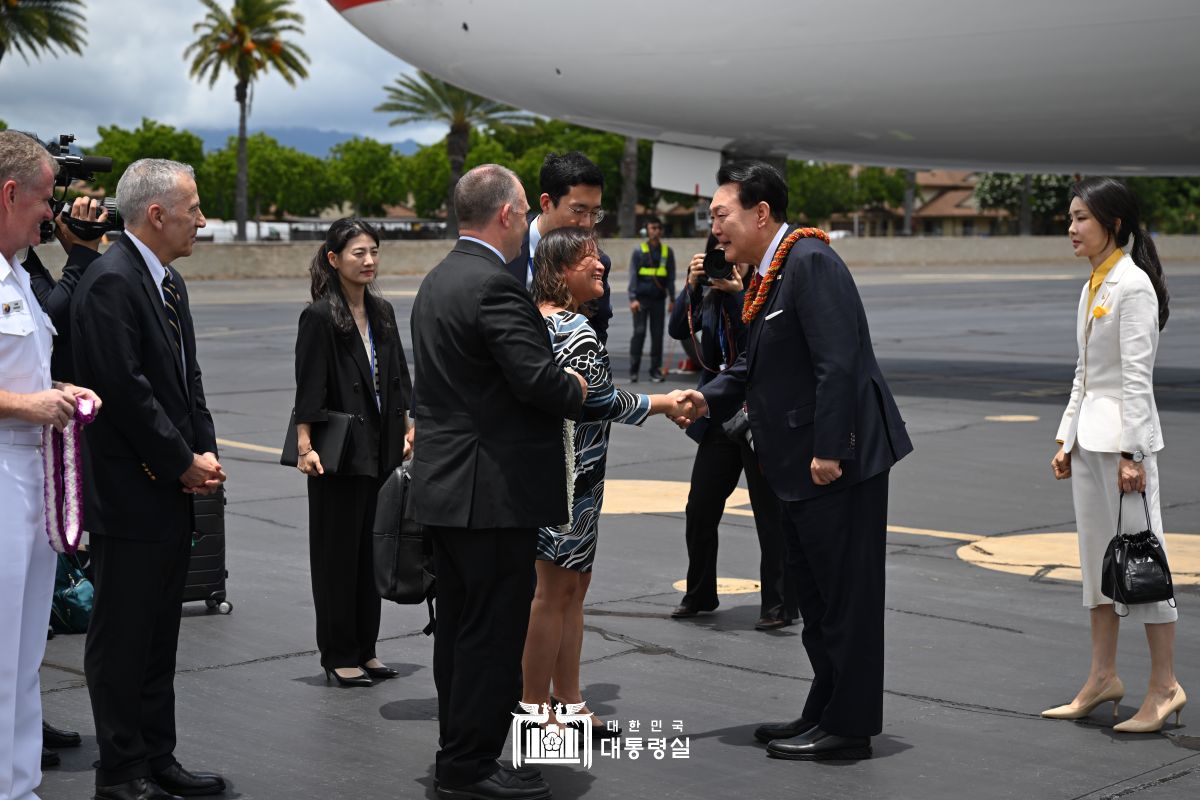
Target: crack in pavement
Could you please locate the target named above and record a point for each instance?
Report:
(1142, 786)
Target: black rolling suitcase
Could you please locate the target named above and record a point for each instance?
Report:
(206, 572)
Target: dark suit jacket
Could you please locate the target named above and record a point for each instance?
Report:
(154, 415)
(598, 311)
(811, 382)
(708, 308)
(334, 374)
(489, 403)
(55, 299)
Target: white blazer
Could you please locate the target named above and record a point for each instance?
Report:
(1112, 406)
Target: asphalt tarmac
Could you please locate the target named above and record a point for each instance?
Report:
(981, 365)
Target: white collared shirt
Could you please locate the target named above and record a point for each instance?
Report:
(157, 272)
(770, 254)
(535, 238)
(26, 339)
(499, 255)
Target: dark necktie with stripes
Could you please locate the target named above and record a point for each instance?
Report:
(171, 305)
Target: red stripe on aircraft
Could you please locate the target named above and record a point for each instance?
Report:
(346, 5)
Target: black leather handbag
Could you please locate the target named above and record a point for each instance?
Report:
(403, 549)
(1135, 567)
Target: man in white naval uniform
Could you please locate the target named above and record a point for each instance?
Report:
(28, 402)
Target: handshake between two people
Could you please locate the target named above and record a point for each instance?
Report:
(204, 476)
(686, 406)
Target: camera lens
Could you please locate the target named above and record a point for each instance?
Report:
(715, 265)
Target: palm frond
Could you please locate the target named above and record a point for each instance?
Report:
(424, 98)
(33, 27)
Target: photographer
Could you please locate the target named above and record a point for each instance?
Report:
(55, 296)
(712, 320)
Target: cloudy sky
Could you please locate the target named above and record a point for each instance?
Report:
(134, 67)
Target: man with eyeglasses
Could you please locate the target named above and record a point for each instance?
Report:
(651, 287)
(571, 187)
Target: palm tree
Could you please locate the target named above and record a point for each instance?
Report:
(248, 41)
(29, 27)
(424, 98)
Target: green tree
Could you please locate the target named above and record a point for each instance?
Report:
(281, 180)
(248, 41)
(31, 27)
(426, 171)
(368, 174)
(879, 186)
(1168, 205)
(1048, 198)
(150, 140)
(424, 98)
(817, 191)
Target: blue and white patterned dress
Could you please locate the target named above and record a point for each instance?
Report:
(576, 346)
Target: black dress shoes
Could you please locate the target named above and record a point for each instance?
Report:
(817, 745)
(771, 731)
(686, 611)
(136, 789)
(772, 623)
(57, 738)
(50, 758)
(177, 780)
(380, 673)
(503, 784)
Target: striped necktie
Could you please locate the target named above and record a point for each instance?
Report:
(171, 305)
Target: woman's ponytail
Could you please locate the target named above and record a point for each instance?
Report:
(1145, 255)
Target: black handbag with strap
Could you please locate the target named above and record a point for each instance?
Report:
(1135, 567)
(403, 549)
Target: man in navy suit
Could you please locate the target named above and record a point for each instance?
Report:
(571, 191)
(826, 432)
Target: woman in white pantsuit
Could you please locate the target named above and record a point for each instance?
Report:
(1110, 435)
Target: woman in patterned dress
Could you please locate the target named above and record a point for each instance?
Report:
(568, 273)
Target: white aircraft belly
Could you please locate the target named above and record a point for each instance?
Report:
(1096, 86)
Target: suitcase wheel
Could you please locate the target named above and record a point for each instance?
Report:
(222, 605)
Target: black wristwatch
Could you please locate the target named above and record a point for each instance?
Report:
(1137, 456)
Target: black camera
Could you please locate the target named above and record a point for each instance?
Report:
(78, 168)
(716, 267)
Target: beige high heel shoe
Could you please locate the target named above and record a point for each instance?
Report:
(1175, 707)
(1112, 693)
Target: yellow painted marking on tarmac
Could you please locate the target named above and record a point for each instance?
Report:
(726, 586)
(257, 448)
(1056, 555)
(1012, 418)
(990, 277)
(965, 537)
(655, 497)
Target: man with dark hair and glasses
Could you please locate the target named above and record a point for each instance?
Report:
(571, 187)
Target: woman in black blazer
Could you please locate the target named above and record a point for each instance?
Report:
(349, 358)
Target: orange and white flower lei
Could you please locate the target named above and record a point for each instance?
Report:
(760, 287)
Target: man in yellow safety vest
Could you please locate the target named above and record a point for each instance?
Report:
(651, 297)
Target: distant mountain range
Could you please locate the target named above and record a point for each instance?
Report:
(307, 140)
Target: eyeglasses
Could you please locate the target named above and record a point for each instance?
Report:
(597, 215)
